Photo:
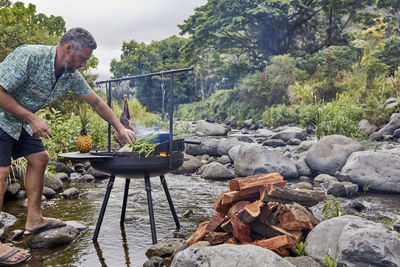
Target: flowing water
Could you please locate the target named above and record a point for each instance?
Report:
(127, 246)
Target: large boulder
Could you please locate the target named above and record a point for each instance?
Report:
(330, 153)
(353, 241)
(53, 182)
(228, 255)
(190, 165)
(208, 147)
(53, 238)
(291, 132)
(60, 167)
(204, 128)
(367, 127)
(393, 124)
(378, 169)
(254, 159)
(165, 247)
(216, 171)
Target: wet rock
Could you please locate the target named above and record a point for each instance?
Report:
(60, 167)
(228, 255)
(53, 182)
(393, 124)
(13, 189)
(71, 193)
(216, 171)
(16, 235)
(331, 153)
(52, 238)
(48, 192)
(187, 214)
(97, 174)
(75, 176)
(274, 142)
(189, 166)
(87, 178)
(353, 241)
(341, 189)
(303, 261)
(366, 127)
(378, 169)
(62, 176)
(225, 159)
(204, 128)
(289, 133)
(79, 168)
(154, 262)
(254, 159)
(21, 194)
(80, 226)
(6, 220)
(359, 207)
(165, 247)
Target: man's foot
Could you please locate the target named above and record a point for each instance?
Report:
(49, 223)
(11, 256)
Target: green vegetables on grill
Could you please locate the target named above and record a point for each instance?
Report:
(144, 144)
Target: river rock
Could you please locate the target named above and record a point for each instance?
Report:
(291, 132)
(60, 167)
(303, 261)
(367, 127)
(80, 226)
(263, 133)
(208, 147)
(189, 166)
(228, 255)
(224, 145)
(92, 195)
(53, 182)
(254, 159)
(154, 262)
(21, 194)
(302, 185)
(6, 220)
(97, 174)
(393, 124)
(71, 193)
(204, 128)
(274, 142)
(248, 123)
(62, 176)
(232, 121)
(294, 142)
(48, 192)
(391, 102)
(330, 153)
(232, 153)
(13, 188)
(87, 178)
(302, 167)
(246, 139)
(353, 241)
(225, 159)
(216, 171)
(303, 147)
(52, 238)
(396, 225)
(341, 189)
(378, 169)
(324, 178)
(165, 247)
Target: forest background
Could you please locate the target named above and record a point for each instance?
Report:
(324, 64)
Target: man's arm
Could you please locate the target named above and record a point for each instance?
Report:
(9, 104)
(108, 115)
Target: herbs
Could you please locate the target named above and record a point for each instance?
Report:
(144, 144)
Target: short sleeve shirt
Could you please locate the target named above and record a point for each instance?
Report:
(28, 75)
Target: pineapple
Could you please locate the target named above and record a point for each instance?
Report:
(84, 142)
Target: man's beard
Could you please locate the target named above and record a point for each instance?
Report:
(68, 67)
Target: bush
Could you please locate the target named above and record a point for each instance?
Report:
(280, 115)
(389, 53)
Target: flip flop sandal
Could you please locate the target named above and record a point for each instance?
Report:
(49, 225)
(5, 262)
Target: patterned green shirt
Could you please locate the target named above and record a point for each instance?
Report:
(28, 75)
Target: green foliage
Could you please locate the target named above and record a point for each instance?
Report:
(280, 115)
(389, 221)
(389, 53)
(329, 262)
(299, 250)
(332, 208)
(366, 188)
(140, 116)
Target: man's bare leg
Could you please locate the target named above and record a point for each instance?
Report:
(4, 172)
(34, 181)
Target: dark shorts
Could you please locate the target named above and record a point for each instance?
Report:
(26, 145)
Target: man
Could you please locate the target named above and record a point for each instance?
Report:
(30, 77)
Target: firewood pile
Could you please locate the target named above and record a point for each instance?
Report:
(260, 210)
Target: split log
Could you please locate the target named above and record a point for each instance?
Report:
(273, 218)
(255, 180)
(280, 194)
(237, 207)
(215, 238)
(219, 206)
(250, 212)
(227, 226)
(232, 240)
(240, 230)
(266, 210)
(251, 193)
(274, 242)
(267, 231)
(199, 234)
(297, 218)
(283, 252)
(215, 223)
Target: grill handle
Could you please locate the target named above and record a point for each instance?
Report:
(192, 142)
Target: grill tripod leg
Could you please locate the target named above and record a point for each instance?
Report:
(103, 208)
(171, 204)
(151, 213)
(127, 181)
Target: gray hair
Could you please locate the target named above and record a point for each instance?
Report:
(79, 38)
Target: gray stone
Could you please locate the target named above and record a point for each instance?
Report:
(378, 169)
(393, 124)
(391, 102)
(366, 127)
(246, 139)
(165, 247)
(204, 128)
(303, 147)
(216, 171)
(52, 238)
(154, 262)
(330, 153)
(62, 176)
(303, 261)
(189, 166)
(13, 189)
(396, 133)
(49, 193)
(324, 178)
(302, 167)
(21, 194)
(71, 193)
(342, 177)
(87, 178)
(263, 133)
(208, 147)
(291, 132)
(60, 167)
(396, 225)
(80, 226)
(91, 195)
(74, 176)
(234, 151)
(254, 159)
(16, 235)
(201, 244)
(225, 159)
(376, 137)
(53, 182)
(302, 185)
(97, 174)
(293, 142)
(232, 121)
(228, 255)
(6, 220)
(353, 241)
(274, 142)
(79, 168)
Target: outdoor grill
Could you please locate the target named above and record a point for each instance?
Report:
(132, 165)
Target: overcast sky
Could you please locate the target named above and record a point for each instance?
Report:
(112, 22)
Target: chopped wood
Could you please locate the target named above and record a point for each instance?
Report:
(215, 223)
(280, 194)
(273, 218)
(274, 242)
(250, 212)
(244, 194)
(199, 234)
(227, 226)
(297, 218)
(267, 231)
(240, 230)
(282, 251)
(237, 207)
(219, 206)
(215, 238)
(232, 240)
(255, 180)
(266, 210)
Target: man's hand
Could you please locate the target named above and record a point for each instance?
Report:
(39, 127)
(127, 136)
